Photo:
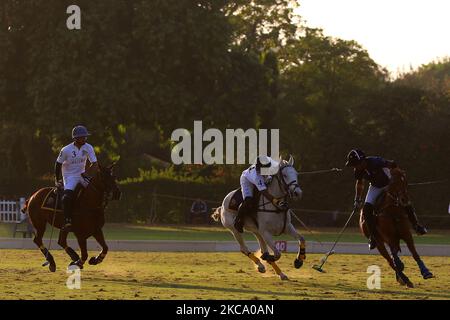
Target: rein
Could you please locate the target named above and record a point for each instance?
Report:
(285, 188)
(397, 199)
(104, 194)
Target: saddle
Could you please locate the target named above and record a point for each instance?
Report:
(377, 208)
(237, 199)
(55, 196)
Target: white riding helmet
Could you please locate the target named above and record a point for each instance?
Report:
(267, 165)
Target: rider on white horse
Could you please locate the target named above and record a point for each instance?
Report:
(71, 165)
(251, 178)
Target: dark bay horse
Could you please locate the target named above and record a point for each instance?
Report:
(393, 225)
(88, 217)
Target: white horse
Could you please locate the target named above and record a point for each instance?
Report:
(271, 220)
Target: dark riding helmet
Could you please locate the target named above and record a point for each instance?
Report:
(354, 157)
(80, 132)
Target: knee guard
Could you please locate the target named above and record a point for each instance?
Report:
(369, 217)
(67, 201)
(245, 206)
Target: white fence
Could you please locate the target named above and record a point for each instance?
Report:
(10, 211)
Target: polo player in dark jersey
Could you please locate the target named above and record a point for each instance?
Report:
(376, 170)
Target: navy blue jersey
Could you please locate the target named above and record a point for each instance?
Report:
(375, 172)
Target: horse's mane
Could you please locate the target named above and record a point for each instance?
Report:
(398, 171)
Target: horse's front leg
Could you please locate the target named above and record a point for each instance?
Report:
(247, 252)
(395, 263)
(98, 235)
(82, 242)
(271, 259)
(301, 255)
(62, 241)
(426, 273)
(50, 261)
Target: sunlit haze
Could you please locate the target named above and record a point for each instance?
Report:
(397, 33)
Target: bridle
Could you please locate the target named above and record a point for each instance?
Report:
(399, 196)
(107, 191)
(285, 187)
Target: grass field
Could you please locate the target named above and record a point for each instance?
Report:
(218, 233)
(177, 276)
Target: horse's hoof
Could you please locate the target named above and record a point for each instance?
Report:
(261, 269)
(283, 277)
(298, 263)
(52, 267)
(404, 280)
(427, 275)
(401, 266)
(92, 261)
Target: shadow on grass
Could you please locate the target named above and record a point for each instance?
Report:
(404, 293)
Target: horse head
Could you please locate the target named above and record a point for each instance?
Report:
(108, 181)
(289, 176)
(398, 187)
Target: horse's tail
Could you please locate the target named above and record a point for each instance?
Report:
(216, 214)
(25, 206)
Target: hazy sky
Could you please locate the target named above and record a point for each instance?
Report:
(396, 33)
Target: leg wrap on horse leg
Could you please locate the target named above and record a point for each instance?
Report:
(302, 252)
(73, 255)
(275, 267)
(253, 258)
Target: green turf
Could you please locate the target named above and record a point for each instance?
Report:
(218, 233)
(179, 276)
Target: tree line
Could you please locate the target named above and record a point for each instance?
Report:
(139, 69)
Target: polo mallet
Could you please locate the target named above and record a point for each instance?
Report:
(46, 263)
(329, 253)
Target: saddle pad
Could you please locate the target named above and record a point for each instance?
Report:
(50, 199)
(236, 200)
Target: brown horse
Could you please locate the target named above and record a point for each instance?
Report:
(88, 217)
(393, 225)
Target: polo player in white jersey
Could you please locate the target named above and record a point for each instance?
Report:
(251, 178)
(71, 164)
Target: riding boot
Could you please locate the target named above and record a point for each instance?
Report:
(421, 230)
(369, 217)
(67, 202)
(242, 211)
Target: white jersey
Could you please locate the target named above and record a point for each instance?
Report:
(73, 160)
(255, 178)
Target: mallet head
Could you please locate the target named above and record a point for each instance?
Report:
(318, 268)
